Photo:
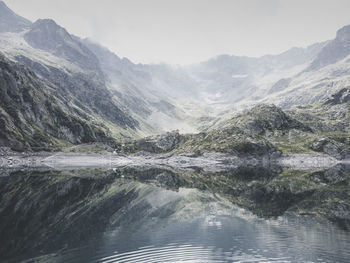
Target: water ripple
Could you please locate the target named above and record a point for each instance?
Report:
(185, 253)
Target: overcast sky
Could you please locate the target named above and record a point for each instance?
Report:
(188, 31)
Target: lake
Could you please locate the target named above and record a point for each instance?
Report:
(161, 215)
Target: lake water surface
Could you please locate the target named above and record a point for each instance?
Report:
(150, 216)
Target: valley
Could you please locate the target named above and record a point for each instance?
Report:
(232, 159)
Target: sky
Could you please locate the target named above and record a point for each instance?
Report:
(189, 31)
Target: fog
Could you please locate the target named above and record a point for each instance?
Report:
(188, 31)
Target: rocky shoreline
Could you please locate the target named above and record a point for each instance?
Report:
(209, 161)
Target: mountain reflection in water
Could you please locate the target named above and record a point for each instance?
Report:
(157, 215)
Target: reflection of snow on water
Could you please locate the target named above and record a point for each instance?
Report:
(212, 221)
(211, 162)
(307, 161)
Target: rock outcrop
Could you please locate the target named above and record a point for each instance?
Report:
(263, 119)
(35, 114)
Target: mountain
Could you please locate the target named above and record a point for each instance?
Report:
(227, 80)
(34, 116)
(130, 101)
(327, 73)
(77, 66)
(63, 98)
(155, 94)
(11, 22)
(334, 51)
(266, 131)
(298, 76)
(46, 35)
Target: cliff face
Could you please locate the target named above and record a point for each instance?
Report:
(36, 114)
(53, 91)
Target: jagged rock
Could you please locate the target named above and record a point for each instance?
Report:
(340, 97)
(318, 145)
(159, 143)
(330, 147)
(264, 118)
(34, 116)
(168, 180)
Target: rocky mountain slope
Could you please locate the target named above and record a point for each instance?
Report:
(212, 90)
(54, 92)
(326, 73)
(36, 114)
(145, 92)
(45, 34)
(229, 79)
(154, 93)
(135, 100)
(267, 130)
(11, 22)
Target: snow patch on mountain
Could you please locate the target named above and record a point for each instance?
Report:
(13, 45)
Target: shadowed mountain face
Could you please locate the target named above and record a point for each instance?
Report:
(53, 90)
(125, 94)
(40, 115)
(11, 22)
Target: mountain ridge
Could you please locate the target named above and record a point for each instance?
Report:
(334, 51)
(11, 22)
(160, 98)
(46, 35)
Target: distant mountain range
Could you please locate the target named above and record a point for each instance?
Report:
(64, 89)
